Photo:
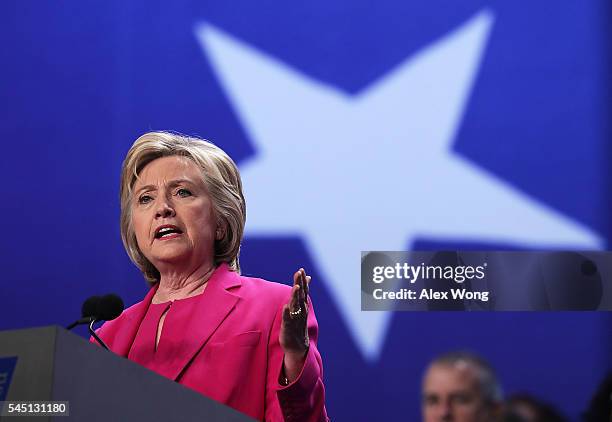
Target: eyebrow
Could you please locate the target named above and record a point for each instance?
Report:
(171, 184)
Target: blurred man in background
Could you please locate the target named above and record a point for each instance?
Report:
(460, 387)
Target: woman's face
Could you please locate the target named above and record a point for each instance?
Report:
(172, 215)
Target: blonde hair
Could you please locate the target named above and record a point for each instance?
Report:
(220, 176)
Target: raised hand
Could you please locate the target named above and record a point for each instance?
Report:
(293, 336)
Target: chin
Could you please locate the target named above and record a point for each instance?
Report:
(172, 255)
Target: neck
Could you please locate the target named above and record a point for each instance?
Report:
(174, 285)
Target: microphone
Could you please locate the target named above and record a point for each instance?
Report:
(89, 307)
(108, 307)
(99, 308)
(88, 312)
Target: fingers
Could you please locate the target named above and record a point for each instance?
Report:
(304, 282)
(297, 277)
(294, 303)
(307, 286)
(302, 295)
(299, 292)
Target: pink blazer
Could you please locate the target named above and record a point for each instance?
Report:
(233, 354)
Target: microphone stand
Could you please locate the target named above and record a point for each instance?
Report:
(85, 320)
(91, 321)
(94, 335)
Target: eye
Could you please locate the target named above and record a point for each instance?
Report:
(462, 399)
(430, 400)
(183, 193)
(144, 199)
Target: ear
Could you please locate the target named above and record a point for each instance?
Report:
(220, 232)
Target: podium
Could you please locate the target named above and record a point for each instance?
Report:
(52, 364)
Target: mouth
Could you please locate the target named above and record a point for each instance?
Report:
(167, 231)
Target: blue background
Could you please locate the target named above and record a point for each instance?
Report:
(79, 81)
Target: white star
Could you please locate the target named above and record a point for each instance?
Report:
(373, 171)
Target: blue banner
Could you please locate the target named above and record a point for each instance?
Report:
(7, 367)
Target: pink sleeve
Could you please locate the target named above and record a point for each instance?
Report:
(303, 399)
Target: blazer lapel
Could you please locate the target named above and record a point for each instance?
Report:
(124, 338)
(212, 308)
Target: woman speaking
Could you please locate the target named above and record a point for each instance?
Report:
(245, 342)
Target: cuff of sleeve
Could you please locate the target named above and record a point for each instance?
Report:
(304, 384)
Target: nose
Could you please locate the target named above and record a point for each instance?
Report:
(164, 210)
(447, 412)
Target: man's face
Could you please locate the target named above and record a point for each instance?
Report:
(452, 393)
